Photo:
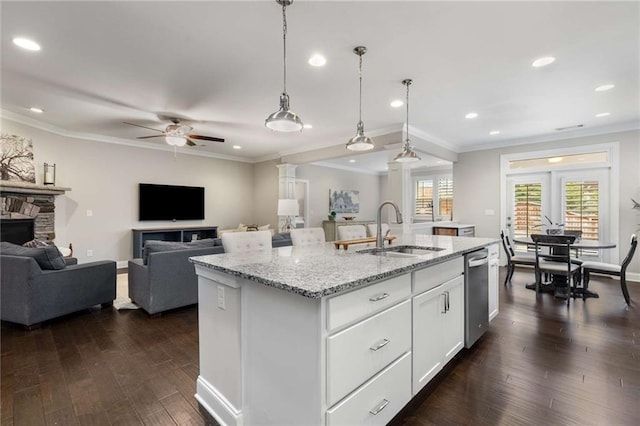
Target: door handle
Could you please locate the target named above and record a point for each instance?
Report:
(379, 407)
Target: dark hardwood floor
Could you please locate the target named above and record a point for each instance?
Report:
(541, 363)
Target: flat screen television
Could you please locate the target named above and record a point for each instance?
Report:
(170, 202)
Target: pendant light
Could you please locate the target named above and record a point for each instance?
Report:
(407, 154)
(360, 142)
(284, 120)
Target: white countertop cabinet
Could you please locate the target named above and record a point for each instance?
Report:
(270, 356)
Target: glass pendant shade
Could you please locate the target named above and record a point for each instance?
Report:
(360, 142)
(176, 140)
(284, 120)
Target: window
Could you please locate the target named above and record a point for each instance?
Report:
(445, 197)
(434, 197)
(527, 213)
(581, 208)
(424, 197)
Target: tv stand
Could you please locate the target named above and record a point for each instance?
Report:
(176, 233)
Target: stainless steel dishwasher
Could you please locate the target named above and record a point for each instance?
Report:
(476, 295)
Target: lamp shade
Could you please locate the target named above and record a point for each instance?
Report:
(288, 207)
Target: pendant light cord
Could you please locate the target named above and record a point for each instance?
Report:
(407, 140)
(284, 43)
(360, 76)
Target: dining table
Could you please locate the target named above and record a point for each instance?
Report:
(578, 244)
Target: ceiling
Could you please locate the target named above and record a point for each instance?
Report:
(219, 64)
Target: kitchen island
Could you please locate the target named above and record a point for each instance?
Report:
(315, 335)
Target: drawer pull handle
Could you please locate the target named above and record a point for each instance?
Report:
(378, 297)
(380, 345)
(380, 407)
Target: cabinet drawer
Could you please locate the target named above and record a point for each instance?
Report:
(349, 307)
(385, 394)
(357, 353)
(428, 278)
(467, 232)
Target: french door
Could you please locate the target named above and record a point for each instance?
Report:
(572, 200)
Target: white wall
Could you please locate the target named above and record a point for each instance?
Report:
(476, 178)
(322, 179)
(104, 178)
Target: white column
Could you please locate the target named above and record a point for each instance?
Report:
(400, 190)
(286, 185)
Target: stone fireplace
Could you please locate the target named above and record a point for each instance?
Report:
(26, 205)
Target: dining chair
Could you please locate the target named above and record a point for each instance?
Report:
(612, 269)
(242, 242)
(307, 236)
(513, 259)
(553, 257)
(352, 232)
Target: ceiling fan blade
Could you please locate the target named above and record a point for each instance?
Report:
(191, 143)
(148, 137)
(205, 138)
(144, 127)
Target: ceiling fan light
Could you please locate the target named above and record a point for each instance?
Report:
(284, 120)
(176, 140)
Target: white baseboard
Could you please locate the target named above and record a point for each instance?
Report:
(633, 276)
(216, 404)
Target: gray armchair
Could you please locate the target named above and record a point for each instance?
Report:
(31, 295)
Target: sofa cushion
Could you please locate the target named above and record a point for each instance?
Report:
(154, 246)
(48, 257)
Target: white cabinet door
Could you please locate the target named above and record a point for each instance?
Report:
(453, 319)
(494, 285)
(427, 351)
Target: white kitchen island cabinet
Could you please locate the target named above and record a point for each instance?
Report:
(301, 336)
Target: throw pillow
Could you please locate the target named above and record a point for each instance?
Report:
(264, 227)
(47, 257)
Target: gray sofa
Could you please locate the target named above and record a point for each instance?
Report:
(31, 294)
(167, 280)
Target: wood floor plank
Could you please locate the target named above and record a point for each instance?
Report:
(540, 363)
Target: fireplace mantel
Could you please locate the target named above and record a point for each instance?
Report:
(18, 187)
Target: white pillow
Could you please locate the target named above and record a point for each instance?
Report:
(264, 227)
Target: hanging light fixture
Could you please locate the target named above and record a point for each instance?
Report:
(407, 154)
(284, 120)
(360, 142)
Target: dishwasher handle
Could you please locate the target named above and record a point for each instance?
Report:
(474, 262)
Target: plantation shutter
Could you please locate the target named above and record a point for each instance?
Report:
(445, 197)
(424, 197)
(527, 214)
(581, 208)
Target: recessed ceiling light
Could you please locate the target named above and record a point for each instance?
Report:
(237, 147)
(555, 159)
(25, 43)
(37, 110)
(494, 132)
(543, 62)
(308, 126)
(352, 161)
(605, 87)
(396, 103)
(471, 115)
(317, 60)
(603, 114)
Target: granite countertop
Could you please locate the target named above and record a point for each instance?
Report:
(317, 271)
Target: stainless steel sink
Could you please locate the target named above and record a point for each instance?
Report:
(401, 251)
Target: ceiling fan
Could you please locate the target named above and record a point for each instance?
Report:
(177, 134)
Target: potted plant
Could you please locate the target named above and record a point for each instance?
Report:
(332, 215)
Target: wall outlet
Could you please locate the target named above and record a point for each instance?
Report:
(89, 253)
(489, 212)
(221, 300)
(89, 213)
